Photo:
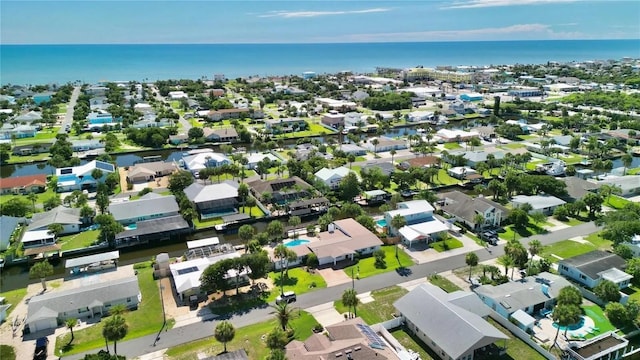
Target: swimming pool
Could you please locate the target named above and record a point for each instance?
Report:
(571, 327)
(296, 242)
(382, 222)
(131, 227)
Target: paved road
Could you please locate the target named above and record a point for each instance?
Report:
(68, 118)
(184, 334)
(185, 124)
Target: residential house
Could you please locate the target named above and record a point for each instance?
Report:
(453, 325)
(101, 118)
(150, 120)
(197, 160)
(525, 92)
(40, 98)
(422, 161)
(255, 158)
(353, 338)
(629, 185)
(421, 224)
(10, 131)
(23, 184)
(461, 172)
(96, 90)
(221, 134)
(353, 119)
(385, 144)
(333, 119)
(213, 200)
(591, 268)
(30, 149)
(149, 206)
(577, 188)
(353, 149)
(8, 226)
(454, 135)
(29, 117)
(285, 125)
(545, 204)
(332, 177)
(80, 177)
(186, 274)
(626, 136)
(178, 139)
(99, 103)
(37, 239)
(86, 145)
(69, 218)
(93, 300)
(386, 167)
(532, 294)
(281, 191)
(145, 172)
(8, 98)
(153, 230)
(235, 113)
(177, 95)
(471, 97)
(465, 209)
(332, 104)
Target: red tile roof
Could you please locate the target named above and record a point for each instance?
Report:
(23, 181)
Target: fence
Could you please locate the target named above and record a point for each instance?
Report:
(521, 335)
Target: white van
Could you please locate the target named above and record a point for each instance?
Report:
(287, 297)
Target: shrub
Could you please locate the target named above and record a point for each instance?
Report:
(143, 265)
(380, 262)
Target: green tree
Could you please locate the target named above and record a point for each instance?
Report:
(312, 261)
(284, 255)
(519, 218)
(277, 339)
(115, 329)
(195, 133)
(633, 268)
(294, 222)
(70, 323)
(224, 332)
(275, 229)
(569, 295)
(243, 192)
(607, 291)
(5, 153)
(607, 190)
(16, 206)
(245, 233)
(565, 315)
(259, 264)
(593, 203)
(109, 228)
(471, 259)
(380, 259)
(276, 354)
(349, 187)
(41, 270)
(33, 198)
(538, 217)
(96, 174)
(283, 313)
(350, 300)
(506, 261)
(55, 229)
(561, 212)
(52, 202)
(397, 222)
(616, 313)
(627, 160)
(179, 181)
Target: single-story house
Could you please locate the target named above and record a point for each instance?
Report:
(80, 178)
(461, 172)
(186, 274)
(423, 161)
(629, 184)
(69, 218)
(417, 116)
(532, 294)
(9, 131)
(353, 149)
(591, 268)
(453, 325)
(8, 226)
(23, 184)
(46, 310)
(413, 212)
(545, 204)
(220, 134)
(332, 104)
(421, 224)
(144, 172)
(353, 338)
(86, 145)
(577, 187)
(281, 190)
(332, 177)
(236, 113)
(152, 231)
(30, 117)
(200, 159)
(386, 167)
(37, 238)
(178, 139)
(213, 200)
(101, 118)
(285, 125)
(465, 208)
(385, 144)
(471, 97)
(604, 346)
(149, 206)
(453, 135)
(35, 148)
(255, 158)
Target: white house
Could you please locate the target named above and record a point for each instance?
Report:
(332, 177)
(69, 218)
(177, 95)
(421, 224)
(545, 204)
(629, 184)
(417, 116)
(591, 268)
(37, 238)
(197, 160)
(255, 158)
(80, 177)
(385, 144)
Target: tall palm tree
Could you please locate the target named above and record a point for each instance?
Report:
(33, 197)
(471, 259)
(224, 332)
(283, 314)
(507, 262)
(115, 329)
(535, 247)
(350, 300)
(627, 160)
(479, 220)
(70, 323)
(397, 222)
(393, 153)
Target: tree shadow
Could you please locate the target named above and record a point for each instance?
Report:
(288, 281)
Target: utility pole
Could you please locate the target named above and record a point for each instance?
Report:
(164, 316)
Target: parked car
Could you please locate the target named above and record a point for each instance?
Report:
(287, 297)
(40, 352)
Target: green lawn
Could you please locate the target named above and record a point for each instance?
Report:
(448, 244)
(253, 211)
(616, 202)
(13, 297)
(443, 283)
(206, 223)
(566, 249)
(313, 130)
(411, 342)
(41, 197)
(444, 179)
(379, 310)
(299, 281)
(62, 108)
(28, 158)
(599, 242)
(79, 240)
(516, 348)
(511, 233)
(366, 267)
(572, 221)
(599, 318)
(635, 171)
(250, 338)
(147, 319)
(513, 145)
(452, 146)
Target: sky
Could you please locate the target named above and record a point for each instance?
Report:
(319, 21)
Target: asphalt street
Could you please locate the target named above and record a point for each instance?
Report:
(199, 330)
(68, 118)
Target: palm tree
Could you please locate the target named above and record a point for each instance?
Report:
(472, 260)
(70, 323)
(393, 153)
(41, 270)
(224, 332)
(535, 247)
(627, 160)
(283, 314)
(479, 220)
(350, 300)
(375, 143)
(565, 315)
(33, 197)
(507, 262)
(397, 222)
(115, 329)
(283, 253)
(55, 229)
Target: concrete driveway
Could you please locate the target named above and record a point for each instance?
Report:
(334, 277)
(326, 314)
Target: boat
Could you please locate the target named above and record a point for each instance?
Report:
(420, 130)
(556, 168)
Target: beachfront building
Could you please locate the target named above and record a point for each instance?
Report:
(23, 184)
(332, 177)
(421, 224)
(89, 301)
(591, 268)
(421, 73)
(197, 160)
(453, 325)
(213, 200)
(80, 177)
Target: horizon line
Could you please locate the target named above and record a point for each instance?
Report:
(315, 43)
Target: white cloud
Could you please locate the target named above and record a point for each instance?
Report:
(467, 4)
(518, 31)
(308, 14)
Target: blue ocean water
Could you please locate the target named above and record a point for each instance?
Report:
(37, 64)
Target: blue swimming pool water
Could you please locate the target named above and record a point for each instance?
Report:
(382, 222)
(571, 327)
(296, 242)
(131, 227)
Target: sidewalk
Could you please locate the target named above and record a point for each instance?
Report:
(429, 254)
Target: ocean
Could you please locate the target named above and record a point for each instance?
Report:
(39, 64)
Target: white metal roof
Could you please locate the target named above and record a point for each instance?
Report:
(36, 235)
(203, 242)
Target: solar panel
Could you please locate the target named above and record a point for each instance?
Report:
(104, 166)
(187, 270)
(374, 340)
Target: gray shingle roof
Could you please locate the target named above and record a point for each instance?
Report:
(57, 302)
(8, 225)
(144, 207)
(453, 328)
(594, 262)
(60, 215)
(197, 192)
(577, 187)
(466, 207)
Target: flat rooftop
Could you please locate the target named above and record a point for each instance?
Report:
(599, 346)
